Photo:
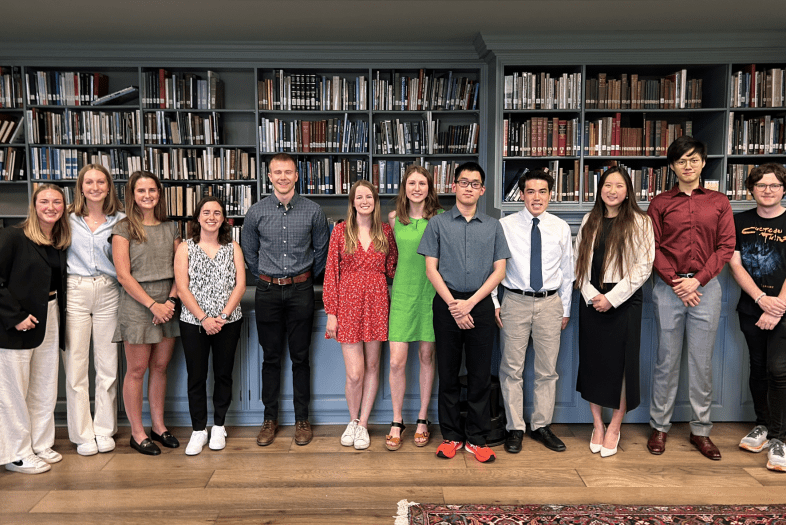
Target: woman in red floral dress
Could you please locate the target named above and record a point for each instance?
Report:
(362, 253)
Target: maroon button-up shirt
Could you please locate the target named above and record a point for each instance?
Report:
(693, 233)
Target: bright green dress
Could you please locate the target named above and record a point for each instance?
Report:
(411, 317)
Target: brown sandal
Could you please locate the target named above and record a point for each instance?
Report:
(394, 443)
(425, 435)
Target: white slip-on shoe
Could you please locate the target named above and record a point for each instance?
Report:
(87, 449)
(49, 456)
(105, 443)
(218, 439)
(197, 441)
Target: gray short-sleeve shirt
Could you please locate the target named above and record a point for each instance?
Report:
(467, 250)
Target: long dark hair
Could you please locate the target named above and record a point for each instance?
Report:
(431, 205)
(195, 229)
(134, 214)
(626, 227)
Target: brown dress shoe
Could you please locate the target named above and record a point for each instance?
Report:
(303, 433)
(268, 433)
(706, 446)
(657, 442)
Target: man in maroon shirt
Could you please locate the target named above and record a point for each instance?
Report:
(694, 238)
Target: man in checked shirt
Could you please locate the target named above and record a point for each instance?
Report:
(285, 241)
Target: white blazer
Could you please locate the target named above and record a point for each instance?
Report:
(643, 246)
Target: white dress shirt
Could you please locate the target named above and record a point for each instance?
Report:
(643, 245)
(556, 255)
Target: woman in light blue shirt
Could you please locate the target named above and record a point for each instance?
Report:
(91, 312)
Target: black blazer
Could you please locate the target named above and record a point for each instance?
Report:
(24, 289)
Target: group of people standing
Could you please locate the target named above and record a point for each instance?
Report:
(96, 274)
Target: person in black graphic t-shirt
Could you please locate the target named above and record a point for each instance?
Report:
(759, 266)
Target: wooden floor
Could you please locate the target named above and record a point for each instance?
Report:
(325, 483)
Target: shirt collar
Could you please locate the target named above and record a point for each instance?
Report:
(455, 213)
(676, 190)
(527, 216)
(292, 201)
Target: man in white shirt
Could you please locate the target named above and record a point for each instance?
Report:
(537, 292)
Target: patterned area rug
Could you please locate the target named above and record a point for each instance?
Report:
(425, 514)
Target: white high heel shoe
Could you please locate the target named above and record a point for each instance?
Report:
(606, 452)
(594, 447)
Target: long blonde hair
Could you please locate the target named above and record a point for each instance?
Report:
(378, 238)
(111, 205)
(134, 214)
(61, 231)
(432, 205)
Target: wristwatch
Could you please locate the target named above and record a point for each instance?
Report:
(224, 316)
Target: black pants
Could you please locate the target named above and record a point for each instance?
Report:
(767, 350)
(476, 344)
(196, 346)
(285, 314)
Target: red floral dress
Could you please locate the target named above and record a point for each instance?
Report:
(355, 289)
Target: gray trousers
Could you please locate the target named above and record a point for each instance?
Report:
(521, 317)
(698, 326)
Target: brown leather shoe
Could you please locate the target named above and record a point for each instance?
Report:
(268, 432)
(303, 433)
(706, 446)
(657, 442)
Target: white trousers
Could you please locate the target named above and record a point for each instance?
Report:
(28, 394)
(91, 312)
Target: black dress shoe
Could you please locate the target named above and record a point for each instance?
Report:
(513, 441)
(166, 439)
(145, 447)
(549, 440)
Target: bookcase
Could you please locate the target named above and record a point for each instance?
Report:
(13, 168)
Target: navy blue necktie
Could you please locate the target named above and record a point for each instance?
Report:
(535, 265)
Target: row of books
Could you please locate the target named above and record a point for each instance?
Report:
(64, 163)
(203, 164)
(673, 91)
(607, 136)
(10, 87)
(100, 128)
(329, 135)
(190, 129)
(647, 181)
(541, 137)
(425, 92)
(395, 137)
(387, 174)
(64, 88)
(761, 135)
(736, 188)
(164, 90)
(181, 200)
(12, 164)
(527, 90)
(10, 128)
(752, 88)
(566, 182)
(309, 92)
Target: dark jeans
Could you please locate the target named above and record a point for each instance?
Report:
(767, 350)
(476, 344)
(196, 347)
(285, 314)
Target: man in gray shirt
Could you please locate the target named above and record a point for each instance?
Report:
(285, 241)
(465, 254)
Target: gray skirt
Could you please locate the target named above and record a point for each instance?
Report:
(135, 321)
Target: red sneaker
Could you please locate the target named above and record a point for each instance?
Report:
(482, 453)
(448, 449)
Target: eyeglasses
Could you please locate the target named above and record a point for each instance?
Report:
(476, 185)
(771, 187)
(693, 162)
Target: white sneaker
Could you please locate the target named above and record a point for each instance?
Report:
(32, 464)
(361, 438)
(87, 449)
(105, 443)
(197, 441)
(348, 437)
(50, 456)
(218, 439)
(756, 440)
(776, 457)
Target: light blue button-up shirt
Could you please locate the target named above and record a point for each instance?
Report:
(90, 253)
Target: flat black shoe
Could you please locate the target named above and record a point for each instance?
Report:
(166, 439)
(513, 441)
(549, 440)
(145, 447)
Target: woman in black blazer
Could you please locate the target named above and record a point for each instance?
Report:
(32, 303)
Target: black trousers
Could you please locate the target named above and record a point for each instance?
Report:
(285, 315)
(196, 347)
(476, 345)
(767, 350)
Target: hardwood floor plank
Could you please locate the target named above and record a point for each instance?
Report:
(18, 500)
(58, 479)
(322, 517)
(169, 517)
(720, 476)
(768, 478)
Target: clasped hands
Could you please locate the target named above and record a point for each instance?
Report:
(162, 312)
(213, 325)
(460, 310)
(774, 308)
(686, 288)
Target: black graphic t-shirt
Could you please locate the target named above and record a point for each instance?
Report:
(762, 245)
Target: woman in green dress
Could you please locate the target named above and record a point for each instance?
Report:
(411, 298)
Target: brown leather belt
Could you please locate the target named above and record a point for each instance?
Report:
(284, 281)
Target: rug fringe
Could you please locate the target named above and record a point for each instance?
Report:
(402, 516)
